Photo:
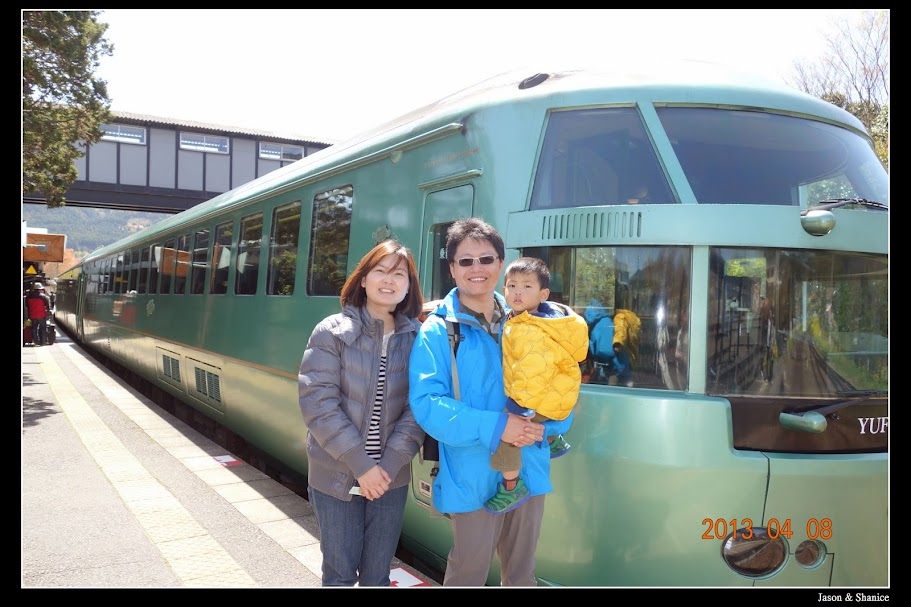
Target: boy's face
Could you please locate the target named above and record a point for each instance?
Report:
(523, 292)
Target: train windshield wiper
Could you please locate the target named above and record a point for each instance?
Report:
(834, 203)
(814, 420)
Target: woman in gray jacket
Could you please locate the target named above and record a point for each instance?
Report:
(362, 436)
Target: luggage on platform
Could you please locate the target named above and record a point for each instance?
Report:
(27, 335)
(51, 334)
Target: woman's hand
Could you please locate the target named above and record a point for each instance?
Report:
(374, 483)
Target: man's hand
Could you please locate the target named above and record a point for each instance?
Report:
(521, 432)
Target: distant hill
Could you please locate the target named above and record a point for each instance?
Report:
(88, 229)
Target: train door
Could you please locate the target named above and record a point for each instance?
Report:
(441, 209)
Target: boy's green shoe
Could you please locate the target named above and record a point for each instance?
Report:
(504, 500)
(559, 447)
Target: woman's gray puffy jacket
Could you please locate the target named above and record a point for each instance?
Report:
(337, 386)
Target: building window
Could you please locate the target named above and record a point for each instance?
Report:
(123, 133)
(204, 143)
(279, 151)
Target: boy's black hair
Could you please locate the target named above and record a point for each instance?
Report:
(531, 265)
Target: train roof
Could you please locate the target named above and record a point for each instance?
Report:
(671, 82)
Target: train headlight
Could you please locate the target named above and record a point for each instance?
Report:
(753, 553)
(810, 554)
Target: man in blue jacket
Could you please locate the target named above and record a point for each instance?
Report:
(469, 429)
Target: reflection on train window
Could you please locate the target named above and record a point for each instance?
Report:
(330, 233)
(200, 262)
(118, 283)
(286, 221)
(797, 323)
(182, 265)
(636, 302)
(221, 258)
(154, 273)
(143, 286)
(248, 247)
(133, 271)
(167, 260)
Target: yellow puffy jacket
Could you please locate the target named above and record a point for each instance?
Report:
(541, 357)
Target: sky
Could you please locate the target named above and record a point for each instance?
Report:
(329, 74)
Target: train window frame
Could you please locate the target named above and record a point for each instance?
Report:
(249, 246)
(142, 285)
(326, 272)
(122, 133)
(167, 265)
(182, 264)
(280, 279)
(135, 258)
(222, 252)
(199, 142)
(280, 151)
(154, 274)
(199, 261)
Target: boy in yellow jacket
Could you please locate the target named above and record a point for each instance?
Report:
(543, 344)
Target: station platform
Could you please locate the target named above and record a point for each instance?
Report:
(118, 493)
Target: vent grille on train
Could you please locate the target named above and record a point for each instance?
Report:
(170, 367)
(592, 224)
(208, 384)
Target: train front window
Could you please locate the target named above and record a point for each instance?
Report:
(636, 301)
(749, 157)
(797, 323)
(598, 157)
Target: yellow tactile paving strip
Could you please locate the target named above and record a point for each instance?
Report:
(194, 556)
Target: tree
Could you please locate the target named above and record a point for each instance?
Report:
(854, 74)
(62, 102)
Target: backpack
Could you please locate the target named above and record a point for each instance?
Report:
(600, 334)
(606, 348)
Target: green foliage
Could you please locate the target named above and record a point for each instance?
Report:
(62, 102)
(87, 229)
(854, 73)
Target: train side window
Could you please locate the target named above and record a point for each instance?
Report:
(221, 258)
(248, 247)
(200, 263)
(153, 268)
(330, 234)
(286, 223)
(119, 274)
(143, 285)
(133, 270)
(167, 260)
(108, 286)
(182, 264)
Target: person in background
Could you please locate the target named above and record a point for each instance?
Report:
(543, 344)
(361, 433)
(38, 308)
(470, 429)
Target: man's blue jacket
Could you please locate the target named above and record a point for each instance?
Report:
(469, 429)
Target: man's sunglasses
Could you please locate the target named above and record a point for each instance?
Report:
(467, 262)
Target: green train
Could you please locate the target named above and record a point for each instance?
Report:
(733, 234)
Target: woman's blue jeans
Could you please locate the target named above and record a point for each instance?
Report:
(359, 538)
